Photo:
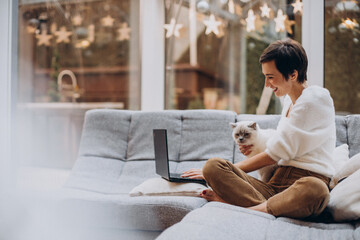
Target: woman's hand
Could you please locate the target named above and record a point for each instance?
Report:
(193, 174)
(245, 149)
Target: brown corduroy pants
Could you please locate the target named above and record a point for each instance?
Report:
(291, 192)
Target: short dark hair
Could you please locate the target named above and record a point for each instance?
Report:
(289, 55)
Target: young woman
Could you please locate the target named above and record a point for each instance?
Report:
(302, 146)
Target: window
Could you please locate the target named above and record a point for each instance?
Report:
(213, 48)
(73, 56)
(79, 51)
(342, 54)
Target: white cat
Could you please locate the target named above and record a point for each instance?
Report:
(249, 133)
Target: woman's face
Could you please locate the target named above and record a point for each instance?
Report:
(275, 80)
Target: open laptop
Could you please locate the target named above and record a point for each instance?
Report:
(162, 159)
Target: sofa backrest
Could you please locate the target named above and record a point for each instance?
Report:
(105, 134)
(127, 135)
(353, 133)
(192, 134)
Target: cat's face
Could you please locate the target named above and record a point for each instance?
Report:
(244, 132)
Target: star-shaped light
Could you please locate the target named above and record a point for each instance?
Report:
(280, 21)
(349, 24)
(250, 21)
(124, 32)
(298, 5)
(212, 25)
(77, 20)
(265, 11)
(288, 24)
(43, 38)
(107, 21)
(172, 28)
(259, 24)
(63, 35)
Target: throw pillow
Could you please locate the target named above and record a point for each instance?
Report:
(344, 201)
(340, 157)
(162, 187)
(350, 167)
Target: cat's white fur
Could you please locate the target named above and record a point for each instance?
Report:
(249, 133)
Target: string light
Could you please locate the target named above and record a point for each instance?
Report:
(107, 21)
(124, 32)
(265, 11)
(43, 38)
(349, 24)
(212, 25)
(298, 6)
(172, 28)
(63, 35)
(250, 21)
(280, 21)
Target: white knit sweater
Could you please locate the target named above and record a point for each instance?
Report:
(307, 138)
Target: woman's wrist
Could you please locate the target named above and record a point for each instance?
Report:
(239, 164)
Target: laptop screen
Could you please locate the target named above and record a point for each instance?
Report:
(161, 152)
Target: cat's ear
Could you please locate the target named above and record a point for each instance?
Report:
(233, 125)
(252, 125)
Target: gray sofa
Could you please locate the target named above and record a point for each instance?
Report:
(116, 154)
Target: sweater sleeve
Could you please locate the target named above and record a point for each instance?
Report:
(306, 129)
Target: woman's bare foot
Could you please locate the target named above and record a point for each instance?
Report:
(211, 196)
(262, 207)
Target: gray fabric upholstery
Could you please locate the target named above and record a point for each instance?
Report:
(223, 221)
(353, 128)
(100, 187)
(141, 144)
(105, 134)
(119, 211)
(206, 134)
(341, 131)
(116, 154)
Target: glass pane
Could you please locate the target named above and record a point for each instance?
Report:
(74, 56)
(342, 54)
(213, 49)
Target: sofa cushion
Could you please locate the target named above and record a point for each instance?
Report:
(345, 199)
(109, 176)
(353, 126)
(96, 174)
(141, 144)
(105, 134)
(206, 134)
(161, 187)
(119, 211)
(214, 220)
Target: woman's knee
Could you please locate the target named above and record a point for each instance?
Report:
(213, 166)
(315, 192)
(314, 187)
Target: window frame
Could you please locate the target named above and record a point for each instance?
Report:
(153, 44)
(8, 87)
